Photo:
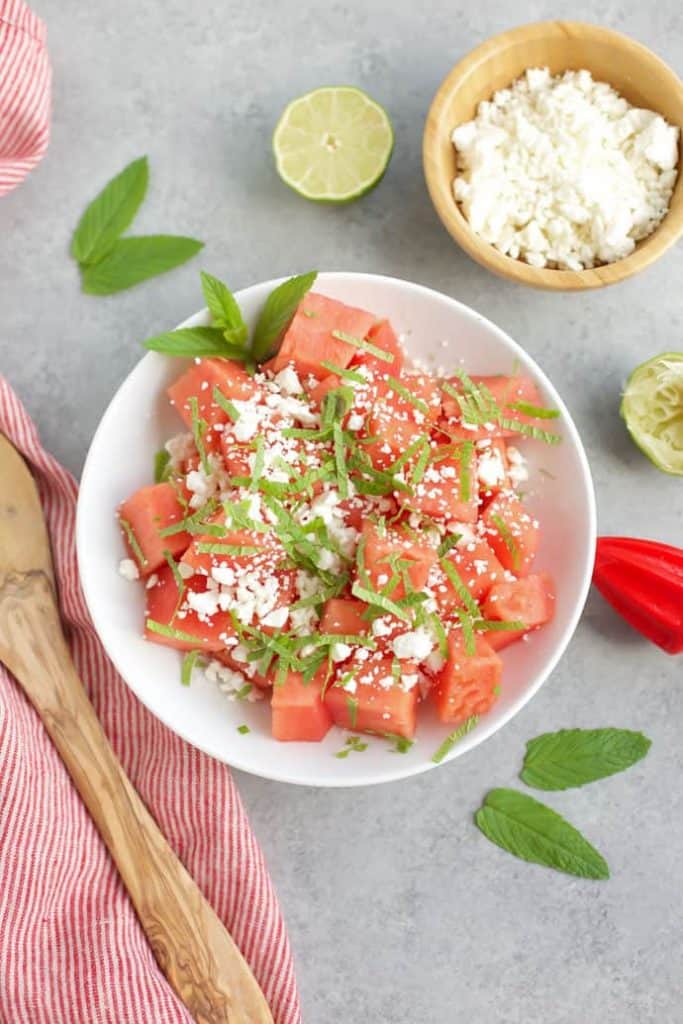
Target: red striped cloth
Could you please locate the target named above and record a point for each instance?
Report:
(25, 78)
(71, 948)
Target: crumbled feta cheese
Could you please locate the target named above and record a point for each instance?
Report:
(179, 448)
(355, 421)
(288, 381)
(128, 569)
(152, 581)
(276, 618)
(490, 467)
(205, 603)
(562, 171)
(518, 471)
(230, 681)
(416, 643)
(186, 571)
(340, 652)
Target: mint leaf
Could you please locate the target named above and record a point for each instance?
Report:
(222, 304)
(533, 832)
(135, 259)
(194, 342)
(162, 469)
(573, 757)
(110, 213)
(277, 312)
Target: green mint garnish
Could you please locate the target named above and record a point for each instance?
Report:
(352, 705)
(536, 411)
(453, 738)
(407, 395)
(225, 404)
(199, 429)
(110, 213)
(169, 631)
(133, 260)
(507, 538)
(371, 597)
(367, 346)
(224, 308)
(277, 312)
(162, 469)
(243, 730)
(459, 586)
(188, 665)
(533, 832)
(133, 541)
(448, 543)
(344, 372)
(574, 757)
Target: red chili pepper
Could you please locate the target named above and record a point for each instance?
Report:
(643, 581)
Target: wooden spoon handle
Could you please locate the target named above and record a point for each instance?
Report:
(193, 948)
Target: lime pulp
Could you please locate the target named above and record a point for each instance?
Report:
(652, 407)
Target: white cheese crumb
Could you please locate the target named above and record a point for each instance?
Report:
(128, 569)
(563, 172)
(288, 381)
(276, 618)
(417, 644)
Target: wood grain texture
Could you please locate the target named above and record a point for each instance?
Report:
(633, 70)
(191, 944)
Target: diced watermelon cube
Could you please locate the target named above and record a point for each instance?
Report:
(375, 702)
(195, 633)
(448, 490)
(309, 339)
(299, 712)
(344, 615)
(512, 532)
(530, 600)
(505, 391)
(394, 545)
(478, 569)
(198, 382)
(382, 336)
(468, 683)
(146, 512)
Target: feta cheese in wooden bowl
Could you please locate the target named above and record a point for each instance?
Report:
(552, 155)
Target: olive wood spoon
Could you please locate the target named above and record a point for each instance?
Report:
(190, 943)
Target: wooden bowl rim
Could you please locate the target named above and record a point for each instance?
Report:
(650, 249)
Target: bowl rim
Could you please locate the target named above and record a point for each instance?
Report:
(484, 730)
(665, 235)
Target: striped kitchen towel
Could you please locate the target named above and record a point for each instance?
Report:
(71, 948)
(25, 77)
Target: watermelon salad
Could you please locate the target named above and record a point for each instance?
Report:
(340, 533)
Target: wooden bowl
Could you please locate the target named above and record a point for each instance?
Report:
(633, 70)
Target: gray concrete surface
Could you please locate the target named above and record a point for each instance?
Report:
(399, 911)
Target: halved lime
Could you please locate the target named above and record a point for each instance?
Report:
(333, 145)
(653, 409)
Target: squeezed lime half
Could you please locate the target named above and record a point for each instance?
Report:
(652, 407)
(333, 144)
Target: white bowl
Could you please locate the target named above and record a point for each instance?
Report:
(120, 460)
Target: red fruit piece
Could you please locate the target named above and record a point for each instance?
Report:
(512, 532)
(147, 512)
(299, 712)
(310, 338)
(530, 600)
(468, 683)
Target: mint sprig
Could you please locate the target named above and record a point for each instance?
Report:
(278, 310)
(110, 213)
(574, 757)
(109, 263)
(228, 335)
(133, 260)
(533, 832)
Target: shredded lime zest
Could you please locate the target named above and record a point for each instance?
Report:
(371, 597)
(507, 538)
(162, 467)
(538, 412)
(453, 738)
(243, 730)
(407, 395)
(188, 666)
(199, 429)
(344, 372)
(176, 634)
(363, 343)
(133, 541)
(225, 404)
